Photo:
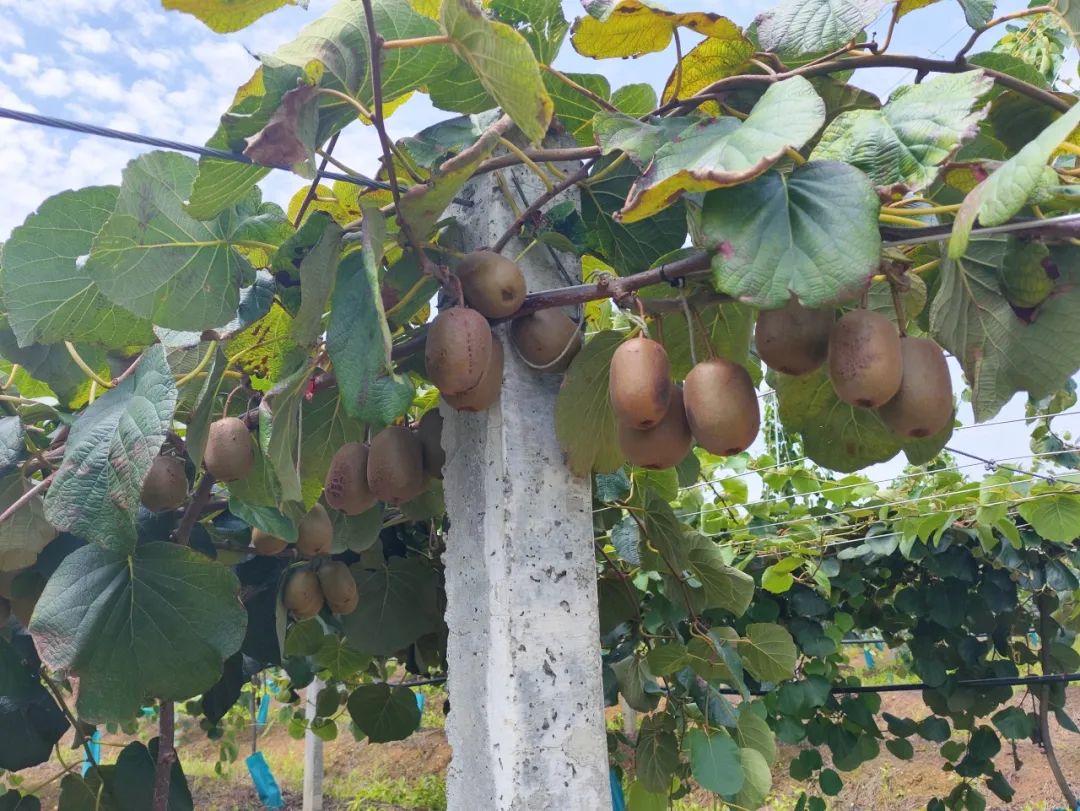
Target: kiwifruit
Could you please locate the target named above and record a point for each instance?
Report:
(229, 455)
(721, 406)
(665, 444)
(303, 595)
(265, 543)
(924, 403)
(639, 383)
(794, 339)
(457, 350)
(165, 486)
(346, 488)
(395, 470)
(865, 364)
(492, 284)
(339, 587)
(429, 432)
(485, 393)
(314, 533)
(5, 610)
(547, 339)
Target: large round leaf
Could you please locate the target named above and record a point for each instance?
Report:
(813, 233)
(158, 623)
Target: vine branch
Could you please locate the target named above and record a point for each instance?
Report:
(166, 755)
(1004, 18)
(1042, 602)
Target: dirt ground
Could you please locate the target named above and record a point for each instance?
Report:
(349, 766)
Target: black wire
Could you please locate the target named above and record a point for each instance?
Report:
(1055, 678)
(148, 140)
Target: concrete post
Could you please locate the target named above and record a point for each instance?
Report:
(526, 722)
(313, 753)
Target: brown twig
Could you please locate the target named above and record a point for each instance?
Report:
(166, 755)
(195, 508)
(128, 372)
(314, 187)
(1004, 18)
(26, 497)
(539, 203)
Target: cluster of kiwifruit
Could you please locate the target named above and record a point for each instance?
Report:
(659, 421)
(463, 358)
(871, 365)
(323, 582)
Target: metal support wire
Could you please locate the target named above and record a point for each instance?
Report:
(992, 465)
(148, 140)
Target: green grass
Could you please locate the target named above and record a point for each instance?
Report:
(427, 793)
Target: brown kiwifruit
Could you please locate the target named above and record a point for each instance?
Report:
(165, 486)
(639, 383)
(547, 339)
(665, 444)
(429, 432)
(314, 533)
(303, 596)
(492, 284)
(395, 470)
(346, 488)
(266, 544)
(794, 339)
(721, 406)
(338, 587)
(457, 349)
(865, 364)
(229, 454)
(924, 404)
(485, 394)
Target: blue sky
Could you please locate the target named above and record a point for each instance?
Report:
(132, 65)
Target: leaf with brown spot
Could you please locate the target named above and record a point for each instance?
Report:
(288, 139)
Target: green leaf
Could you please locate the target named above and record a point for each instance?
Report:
(830, 782)
(575, 110)
(729, 328)
(317, 271)
(725, 587)
(423, 205)
(331, 52)
(639, 798)
(541, 22)
(31, 722)
(226, 16)
(753, 732)
(633, 28)
(132, 781)
(617, 131)
(268, 519)
(504, 64)
(768, 652)
(775, 581)
(24, 534)
(635, 99)
(656, 754)
(813, 233)
(1014, 723)
(96, 492)
(839, 436)
(12, 800)
(634, 247)
(1054, 515)
(905, 141)
(160, 263)
(901, 748)
(666, 658)
(279, 433)
(714, 760)
(721, 152)
(156, 623)
(633, 676)
(262, 349)
(1007, 190)
(758, 779)
(397, 607)
(721, 54)
(934, 729)
(358, 338)
(584, 421)
(1001, 353)
(798, 27)
(47, 291)
(384, 713)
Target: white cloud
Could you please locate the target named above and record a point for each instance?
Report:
(102, 87)
(21, 65)
(50, 83)
(89, 39)
(10, 34)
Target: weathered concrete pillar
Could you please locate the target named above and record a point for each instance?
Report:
(313, 753)
(527, 720)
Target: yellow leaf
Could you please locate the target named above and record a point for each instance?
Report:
(633, 28)
(908, 6)
(226, 16)
(712, 59)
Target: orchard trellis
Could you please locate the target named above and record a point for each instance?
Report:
(137, 317)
